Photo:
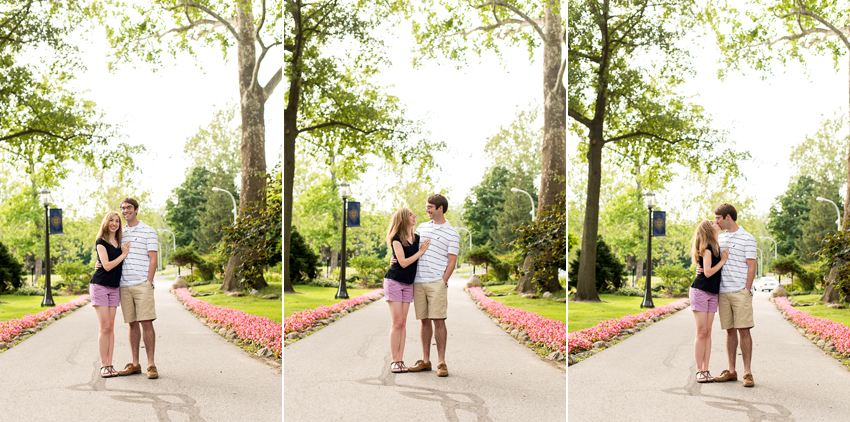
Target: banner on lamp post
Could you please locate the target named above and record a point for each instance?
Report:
(353, 214)
(659, 223)
(56, 221)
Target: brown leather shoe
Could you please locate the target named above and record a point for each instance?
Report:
(727, 376)
(442, 370)
(748, 380)
(152, 372)
(420, 366)
(130, 370)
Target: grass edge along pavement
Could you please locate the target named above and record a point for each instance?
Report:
(589, 341)
(14, 331)
(257, 335)
(301, 324)
(546, 336)
(831, 336)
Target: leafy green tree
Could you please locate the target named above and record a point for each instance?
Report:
(11, 270)
(451, 28)
(543, 242)
(835, 254)
(217, 211)
(184, 210)
(302, 261)
(484, 202)
(616, 102)
(610, 270)
(517, 146)
(258, 233)
(144, 31)
(334, 103)
(216, 146)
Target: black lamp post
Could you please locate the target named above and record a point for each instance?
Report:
(48, 294)
(649, 200)
(342, 293)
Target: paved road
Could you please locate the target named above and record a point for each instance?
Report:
(651, 376)
(55, 374)
(341, 372)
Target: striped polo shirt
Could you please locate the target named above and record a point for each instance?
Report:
(742, 246)
(142, 239)
(444, 241)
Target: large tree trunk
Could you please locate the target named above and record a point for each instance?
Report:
(586, 285)
(290, 132)
(253, 146)
(554, 150)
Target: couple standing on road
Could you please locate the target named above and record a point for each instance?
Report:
(423, 260)
(124, 275)
(726, 267)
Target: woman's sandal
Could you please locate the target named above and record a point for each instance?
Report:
(112, 371)
(402, 366)
(704, 376)
(104, 372)
(395, 368)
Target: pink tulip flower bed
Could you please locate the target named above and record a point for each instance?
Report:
(300, 321)
(547, 332)
(828, 330)
(260, 331)
(582, 340)
(12, 328)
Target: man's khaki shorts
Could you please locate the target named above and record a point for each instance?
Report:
(137, 303)
(430, 300)
(736, 310)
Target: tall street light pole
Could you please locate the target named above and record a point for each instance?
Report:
(173, 243)
(837, 222)
(231, 198)
(342, 293)
(649, 200)
(529, 198)
(48, 293)
(761, 262)
(470, 246)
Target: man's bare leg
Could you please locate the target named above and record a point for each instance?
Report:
(425, 333)
(746, 348)
(135, 336)
(731, 347)
(440, 335)
(150, 341)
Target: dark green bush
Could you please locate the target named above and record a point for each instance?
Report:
(610, 271)
(11, 270)
(75, 276)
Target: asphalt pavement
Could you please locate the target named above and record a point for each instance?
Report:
(342, 372)
(55, 374)
(651, 376)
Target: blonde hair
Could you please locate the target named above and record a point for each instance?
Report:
(704, 236)
(104, 228)
(400, 223)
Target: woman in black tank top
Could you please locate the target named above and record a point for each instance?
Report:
(703, 293)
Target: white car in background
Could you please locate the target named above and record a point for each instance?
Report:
(765, 284)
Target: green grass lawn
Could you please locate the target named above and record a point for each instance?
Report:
(311, 297)
(585, 315)
(841, 316)
(16, 307)
(547, 308)
(253, 305)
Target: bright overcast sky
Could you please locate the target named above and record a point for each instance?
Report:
(459, 107)
(768, 118)
(162, 109)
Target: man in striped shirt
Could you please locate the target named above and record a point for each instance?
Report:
(137, 301)
(735, 304)
(430, 287)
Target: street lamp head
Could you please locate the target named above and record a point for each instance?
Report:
(218, 190)
(514, 190)
(45, 197)
(343, 190)
(649, 199)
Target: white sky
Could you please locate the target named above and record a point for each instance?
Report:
(459, 107)
(160, 110)
(768, 118)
